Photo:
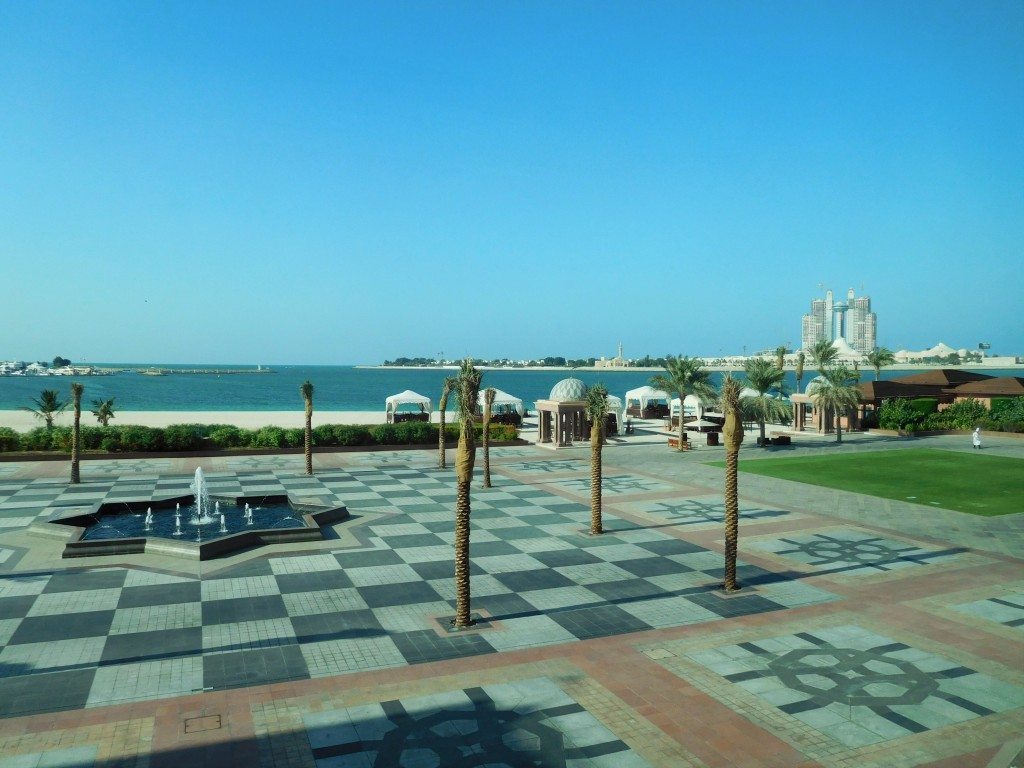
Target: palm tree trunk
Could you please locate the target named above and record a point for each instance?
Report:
(487, 447)
(441, 458)
(308, 446)
(596, 439)
(462, 510)
(839, 427)
(732, 518)
(760, 423)
(682, 429)
(76, 438)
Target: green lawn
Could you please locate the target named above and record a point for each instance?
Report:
(970, 482)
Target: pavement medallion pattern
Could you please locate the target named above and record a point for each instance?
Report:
(704, 512)
(851, 551)
(613, 485)
(526, 723)
(1007, 610)
(857, 687)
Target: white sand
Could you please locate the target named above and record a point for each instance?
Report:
(22, 421)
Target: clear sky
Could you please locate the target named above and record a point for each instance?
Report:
(348, 182)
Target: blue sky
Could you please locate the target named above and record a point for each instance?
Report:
(349, 182)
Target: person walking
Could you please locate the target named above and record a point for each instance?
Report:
(976, 437)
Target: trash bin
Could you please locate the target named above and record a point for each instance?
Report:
(712, 438)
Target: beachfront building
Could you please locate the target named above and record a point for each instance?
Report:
(562, 418)
(616, 362)
(851, 320)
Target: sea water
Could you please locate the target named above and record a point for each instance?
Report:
(337, 388)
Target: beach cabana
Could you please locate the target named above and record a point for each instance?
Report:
(506, 408)
(613, 418)
(647, 403)
(420, 411)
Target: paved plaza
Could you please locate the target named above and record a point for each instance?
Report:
(868, 632)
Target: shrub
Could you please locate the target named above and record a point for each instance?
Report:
(897, 414)
(136, 439)
(964, 414)
(92, 437)
(268, 437)
(351, 434)
(184, 437)
(385, 434)
(37, 439)
(925, 405)
(9, 439)
(323, 435)
(226, 436)
(60, 439)
(295, 437)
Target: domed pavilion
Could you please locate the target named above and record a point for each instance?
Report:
(562, 418)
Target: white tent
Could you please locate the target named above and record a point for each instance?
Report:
(501, 399)
(644, 395)
(406, 398)
(694, 406)
(614, 404)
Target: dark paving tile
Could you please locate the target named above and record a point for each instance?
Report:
(313, 581)
(243, 609)
(253, 667)
(520, 532)
(543, 578)
(598, 621)
(566, 557)
(15, 607)
(414, 540)
(737, 605)
(46, 692)
(652, 566)
(336, 626)
(670, 547)
(504, 606)
(160, 594)
(256, 567)
(41, 629)
(152, 646)
(74, 581)
(492, 548)
(627, 589)
(439, 569)
(426, 645)
(407, 593)
(364, 559)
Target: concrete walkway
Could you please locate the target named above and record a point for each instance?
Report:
(868, 632)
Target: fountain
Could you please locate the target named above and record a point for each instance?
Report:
(201, 511)
(248, 514)
(149, 518)
(223, 527)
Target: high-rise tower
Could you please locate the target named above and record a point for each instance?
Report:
(851, 320)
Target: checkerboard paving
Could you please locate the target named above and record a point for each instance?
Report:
(528, 722)
(850, 551)
(613, 485)
(536, 573)
(857, 687)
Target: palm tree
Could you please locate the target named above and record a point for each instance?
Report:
(597, 406)
(488, 402)
(800, 358)
(76, 431)
(684, 376)
(48, 406)
(823, 353)
(467, 386)
(306, 390)
(448, 387)
(733, 434)
(780, 357)
(835, 391)
(103, 410)
(878, 358)
(765, 377)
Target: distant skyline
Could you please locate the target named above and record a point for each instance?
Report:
(348, 183)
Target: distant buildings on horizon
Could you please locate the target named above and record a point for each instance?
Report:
(852, 321)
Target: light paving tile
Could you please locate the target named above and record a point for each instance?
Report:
(594, 573)
(408, 618)
(250, 586)
(668, 612)
(57, 603)
(528, 632)
(323, 601)
(560, 597)
(265, 633)
(334, 657)
(482, 585)
(146, 680)
(15, 659)
(19, 586)
(144, 578)
(151, 618)
(426, 554)
(304, 564)
(382, 574)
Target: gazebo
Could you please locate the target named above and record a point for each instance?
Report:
(408, 397)
(506, 408)
(647, 403)
(562, 418)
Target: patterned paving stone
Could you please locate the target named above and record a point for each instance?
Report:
(530, 722)
(705, 512)
(1007, 610)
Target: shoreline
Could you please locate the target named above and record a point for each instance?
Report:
(23, 421)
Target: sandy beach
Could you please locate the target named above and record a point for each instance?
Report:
(23, 421)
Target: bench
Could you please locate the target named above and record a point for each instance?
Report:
(673, 442)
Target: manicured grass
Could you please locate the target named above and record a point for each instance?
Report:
(969, 482)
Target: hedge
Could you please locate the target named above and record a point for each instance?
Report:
(124, 438)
